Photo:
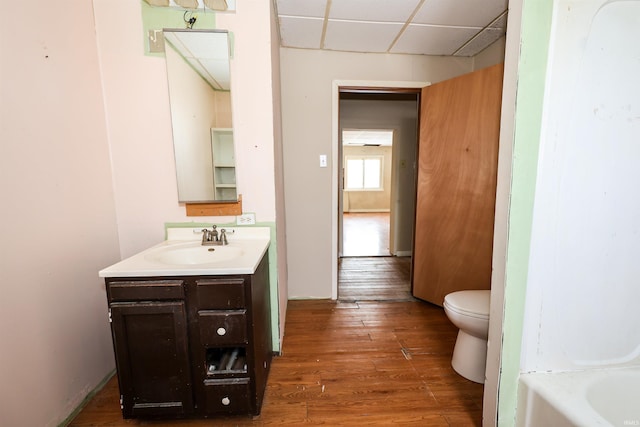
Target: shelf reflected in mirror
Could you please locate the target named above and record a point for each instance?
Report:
(198, 72)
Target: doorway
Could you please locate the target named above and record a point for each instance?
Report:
(367, 160)
(376, 192)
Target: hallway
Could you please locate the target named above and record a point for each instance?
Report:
(365, 234)
(367, 271)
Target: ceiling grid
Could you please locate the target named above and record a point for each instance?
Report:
(422, 27)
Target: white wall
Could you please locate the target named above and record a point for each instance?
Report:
(58, 217)
(582, 291)
(307, 78)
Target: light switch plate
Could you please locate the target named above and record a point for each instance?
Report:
(323, 160)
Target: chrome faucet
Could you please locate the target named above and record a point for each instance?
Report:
(212, 238)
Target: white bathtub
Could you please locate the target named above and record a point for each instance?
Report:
(595, 397)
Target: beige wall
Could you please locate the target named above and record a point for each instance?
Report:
(58, 217)
(307, 78)
(493, 54)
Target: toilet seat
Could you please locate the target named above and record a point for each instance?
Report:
(469, 303)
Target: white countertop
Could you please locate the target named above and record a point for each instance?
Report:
(242, 255)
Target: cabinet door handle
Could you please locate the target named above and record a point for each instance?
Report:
(221, 331)
(226, 401)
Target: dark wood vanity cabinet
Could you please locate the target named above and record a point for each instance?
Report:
(191, 345)
(151, 345)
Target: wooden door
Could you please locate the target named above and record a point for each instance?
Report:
(456, 184)
(150, 340)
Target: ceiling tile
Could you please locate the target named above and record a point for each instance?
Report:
(464, 13)
(360, 36)
(195, 44)
(432, 40)
(501, 22)
(215, 72)
(480, 42)
(373, 10)
(313, 8)
(301, 32)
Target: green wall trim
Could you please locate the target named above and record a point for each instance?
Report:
(273, 267)
(534, 49)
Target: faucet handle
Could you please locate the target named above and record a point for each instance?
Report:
(223, 236)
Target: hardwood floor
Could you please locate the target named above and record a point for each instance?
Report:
(365, 363)
(365, 234)
(374, 279)
(367, 272)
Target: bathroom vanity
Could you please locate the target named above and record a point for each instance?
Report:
(191, 326)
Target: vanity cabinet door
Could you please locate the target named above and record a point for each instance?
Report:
(151, 348)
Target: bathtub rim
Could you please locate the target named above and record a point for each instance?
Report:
(566, 393)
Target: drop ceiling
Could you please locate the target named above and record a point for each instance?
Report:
(424, 27)
(206, 51)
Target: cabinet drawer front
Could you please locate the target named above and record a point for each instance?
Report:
(222, 327)
(220, 294)
(227, 396)
(152, 290)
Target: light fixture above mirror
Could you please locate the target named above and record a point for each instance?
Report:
(217, 5)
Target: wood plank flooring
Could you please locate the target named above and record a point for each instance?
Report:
(352, 364)
(364, 274)
(374, 279)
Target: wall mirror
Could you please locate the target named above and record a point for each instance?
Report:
(200, 98)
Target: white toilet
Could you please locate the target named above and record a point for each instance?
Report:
(469, 311)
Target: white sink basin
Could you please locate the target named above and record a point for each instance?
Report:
(182, 254)
(194, 254)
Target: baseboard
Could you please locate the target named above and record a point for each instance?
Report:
(87, 399)
(368, 211)
(403, 253)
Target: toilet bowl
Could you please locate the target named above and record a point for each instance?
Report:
(469, 311)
